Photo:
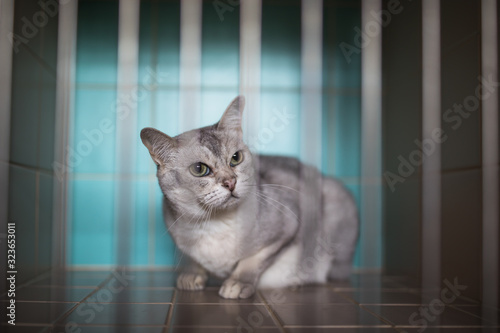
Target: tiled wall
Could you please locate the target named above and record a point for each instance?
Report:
(92, 222)
(461, 164)
(402, 121)
(32, 137)
(461, 229)
(342, 98)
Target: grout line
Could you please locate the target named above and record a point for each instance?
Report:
(223, 304)
(40, 60)
(273, 315)
(32, 168)
(70, 311)
(448, 326)
(152, 208)
(377, 316)
(338, 326)
(327, 91)
(365, 309)
(453, 306)
(171, 309)
(37, 216)
(30, 281)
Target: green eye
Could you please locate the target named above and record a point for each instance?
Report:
(236, 159)
(199, 169)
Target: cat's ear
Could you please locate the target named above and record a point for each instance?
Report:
(159, 144)
(231, 119)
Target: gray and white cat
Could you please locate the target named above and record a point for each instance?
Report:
(254, 221)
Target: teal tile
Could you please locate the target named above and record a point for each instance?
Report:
(214, 103)
(46, 215)
(147, 40)
(346, 66)
(22, 211)
(97, 42)
(278, 135)
(347, 135)
(166, 115)
(143, 207)
(281, 45)
(355, 189)
(144, 164)
(167, 19)
(220, 49)
(164, 245)
(92, 228)
(93, 149)
(327, 136)
(47, 121)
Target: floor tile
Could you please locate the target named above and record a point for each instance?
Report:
(366, 281)
(382, 297)
(73, 279)
(428, 297)
(52, 294)
(123, 314)
(341, 330)
(136, 295)
(405, 281)
(325, 315)
(224, 315)
(110, 329)
(211, 296)
(151, 279)
(303, 295)
(491, 315)
(410, 315)
(24, 329)
(223, 329)
(37, 313)
(449, 330)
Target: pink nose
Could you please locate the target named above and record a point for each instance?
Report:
(230, 184)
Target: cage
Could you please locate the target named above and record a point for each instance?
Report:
(398, 99)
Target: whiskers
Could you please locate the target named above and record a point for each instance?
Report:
(275, 186)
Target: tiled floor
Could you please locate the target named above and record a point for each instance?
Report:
(146, 301)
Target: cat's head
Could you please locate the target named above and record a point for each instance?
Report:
(206, 168)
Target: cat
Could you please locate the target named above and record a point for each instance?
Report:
(253, 221)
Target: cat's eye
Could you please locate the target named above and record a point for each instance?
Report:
(236, 159)
(199, 169)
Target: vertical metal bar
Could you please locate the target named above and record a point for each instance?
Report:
(65, 87)
(371, 141)
(190, 62)
(126, 125)
(431, 122)
(6, 27)
(489, 45)
(250, 65)
(311, 77)
(311, 116)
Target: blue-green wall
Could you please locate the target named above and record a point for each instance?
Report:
(92, 224)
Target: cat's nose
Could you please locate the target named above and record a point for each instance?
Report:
(230, 184)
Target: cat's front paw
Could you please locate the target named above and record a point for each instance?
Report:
(191, 281)
(235, 289)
